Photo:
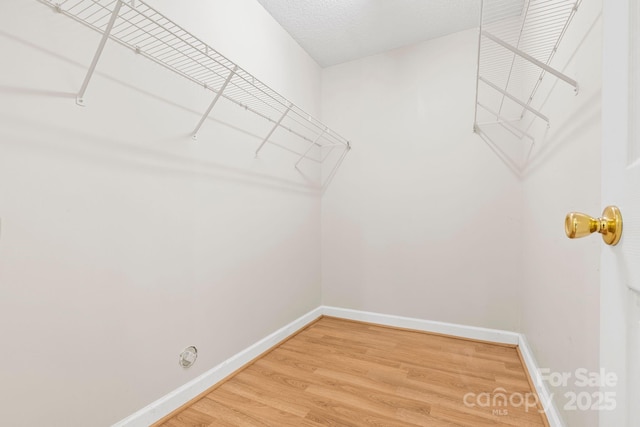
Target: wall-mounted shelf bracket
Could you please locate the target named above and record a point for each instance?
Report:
(514, 99)
(144, 30)
(96, 57)
(213, 103)
(517, 74)
(533, 60)
(273, 129)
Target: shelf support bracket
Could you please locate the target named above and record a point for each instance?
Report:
(531, 59)
(264, 141)
(514, 99)
(213, 103)
(314, 142)
(96, 57)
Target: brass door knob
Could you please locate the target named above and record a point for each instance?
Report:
(578, 225)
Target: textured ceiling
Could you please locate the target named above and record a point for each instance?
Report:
(336, 31)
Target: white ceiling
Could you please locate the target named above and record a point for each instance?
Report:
(336, 31)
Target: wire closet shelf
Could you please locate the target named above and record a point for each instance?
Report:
(517, 42)
(139, 27)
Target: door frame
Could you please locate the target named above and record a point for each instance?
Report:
(615, 133)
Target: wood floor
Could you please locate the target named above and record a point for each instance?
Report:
(344, 373)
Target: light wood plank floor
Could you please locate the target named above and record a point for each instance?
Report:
(344, 373)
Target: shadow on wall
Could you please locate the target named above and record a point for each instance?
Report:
(502, 155)
(334, 169)
(78, 141)
(583, 115)
(11, 90)
(578, 121)
(99, 149)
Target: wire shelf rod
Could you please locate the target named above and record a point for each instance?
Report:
(514, 99)
(553, 8)
(152, 35)
(313, 144)
(86, 8)
(198, 60)
(475, 111)
(546, 26)
(549, 16)
(508, 24)
(545, 40)
(213, 103)
(541, 28)
(531, 59)
(553, 52)
(529, 35)
(273, 130)
(254, 111)
(560, 10)
(96, 57)
(506, 123)
(501, 11)
(538, 8)
(172, 47)
(105, 15)
(513, 59)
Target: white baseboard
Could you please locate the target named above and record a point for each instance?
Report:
(471, 332)
(172, 401)
(165, 405)
(546, 398)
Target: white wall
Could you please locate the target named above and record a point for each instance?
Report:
(560, 310)
(123, 240)
(422, 219)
